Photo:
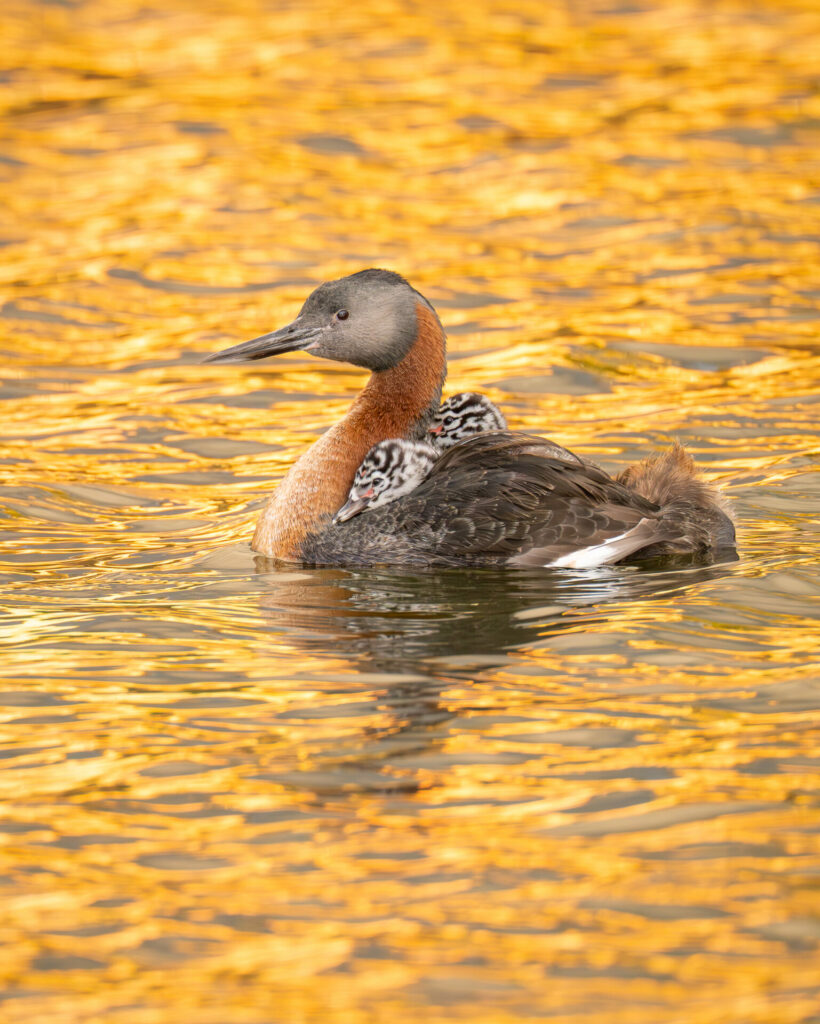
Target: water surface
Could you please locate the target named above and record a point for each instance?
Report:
(237, 794)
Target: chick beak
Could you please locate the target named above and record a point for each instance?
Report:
(353, 506)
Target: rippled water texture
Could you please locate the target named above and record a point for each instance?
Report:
(237, 796)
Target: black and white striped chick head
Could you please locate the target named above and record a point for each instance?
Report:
(390, 470)
(464, 415)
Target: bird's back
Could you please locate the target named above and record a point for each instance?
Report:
(507, 498)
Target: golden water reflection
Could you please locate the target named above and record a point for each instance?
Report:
(237, 794)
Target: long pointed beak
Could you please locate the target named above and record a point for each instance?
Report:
(352, 507)
(287, 339)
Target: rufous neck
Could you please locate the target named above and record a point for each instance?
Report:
(398, 402)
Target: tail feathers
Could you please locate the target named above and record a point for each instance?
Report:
(672, 478)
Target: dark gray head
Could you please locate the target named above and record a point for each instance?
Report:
(368, 319)
(464, 415)
(390, 470)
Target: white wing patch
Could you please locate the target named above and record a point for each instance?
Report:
(612, 550)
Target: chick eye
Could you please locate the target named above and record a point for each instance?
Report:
(448, 420)
(342, 314)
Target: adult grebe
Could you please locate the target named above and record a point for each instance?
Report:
(500, 498)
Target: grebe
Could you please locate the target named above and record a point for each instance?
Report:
(463, 415)
(500, 498)
(390, 470)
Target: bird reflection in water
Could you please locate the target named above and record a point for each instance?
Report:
(422, 631)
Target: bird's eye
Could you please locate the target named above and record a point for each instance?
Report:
(342, 314)
(448, 420)
(376, 481)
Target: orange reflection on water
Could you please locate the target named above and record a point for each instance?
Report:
(235, 794)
